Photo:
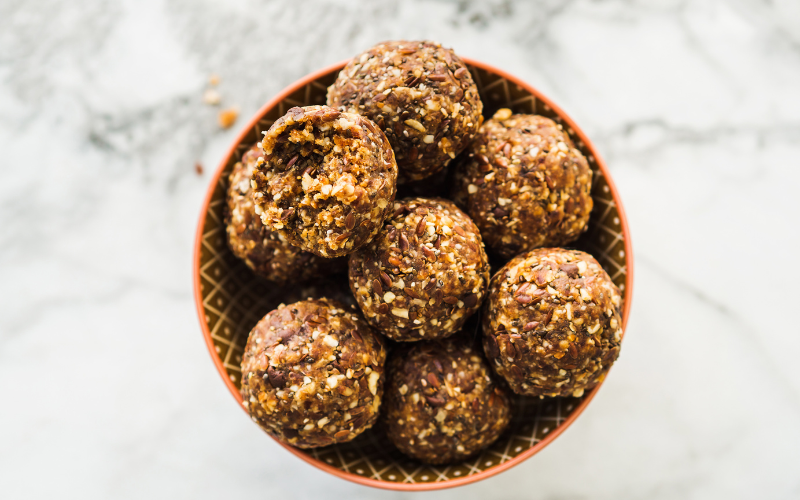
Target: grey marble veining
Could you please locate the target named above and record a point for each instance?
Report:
(106, 386)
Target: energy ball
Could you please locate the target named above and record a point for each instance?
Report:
(420, 94)
(326, 180)
(424, 274)
(266, 252)
(441, 404)
(524, 184)
(551, 323)
(312, 374)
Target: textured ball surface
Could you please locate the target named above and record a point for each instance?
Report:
(420, 94)
(424, 274)
(551, 323)
(441, 402)
(524, 184)
(313, 373)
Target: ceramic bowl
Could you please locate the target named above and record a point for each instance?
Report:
(230, 299)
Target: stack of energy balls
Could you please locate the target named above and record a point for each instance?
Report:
(318, 195)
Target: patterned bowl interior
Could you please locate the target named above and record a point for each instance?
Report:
(234, 299)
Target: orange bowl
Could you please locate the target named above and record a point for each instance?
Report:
(230, 299)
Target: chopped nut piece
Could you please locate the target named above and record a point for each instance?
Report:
(372, 382)
(502, 114)
(401, 313)
(415, 124)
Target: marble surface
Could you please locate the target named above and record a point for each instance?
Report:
(107, 388)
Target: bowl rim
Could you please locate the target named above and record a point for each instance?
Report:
(366, 481)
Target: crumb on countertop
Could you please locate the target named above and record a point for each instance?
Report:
(227, 117)
(212, 97)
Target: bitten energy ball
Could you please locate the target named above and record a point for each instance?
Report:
(266, 252)
(424, 274)
(420, 94)
(524, 184)
(326, 180)
(551, 323)
(441, 404)
(312, 374)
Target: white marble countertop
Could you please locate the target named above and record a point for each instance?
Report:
(107, 388)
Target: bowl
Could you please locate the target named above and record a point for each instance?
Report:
(230, 299)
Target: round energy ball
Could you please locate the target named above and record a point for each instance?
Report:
(524, 184)
(551, 323)
(441, 404)
(326, 180)
(420, 94)
(312, 374)
(424, 274)
(266, 252)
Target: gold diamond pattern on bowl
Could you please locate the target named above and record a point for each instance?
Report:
(234, 299)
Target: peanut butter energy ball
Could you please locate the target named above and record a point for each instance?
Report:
(441, 403)
(551, 323)
(420, 94)
(312, 374)
(266, 252)
(424, 274)
(524, 184)
(326, 181)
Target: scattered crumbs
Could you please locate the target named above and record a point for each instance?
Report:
(198, 168)
(213, 80)
(227, 117)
